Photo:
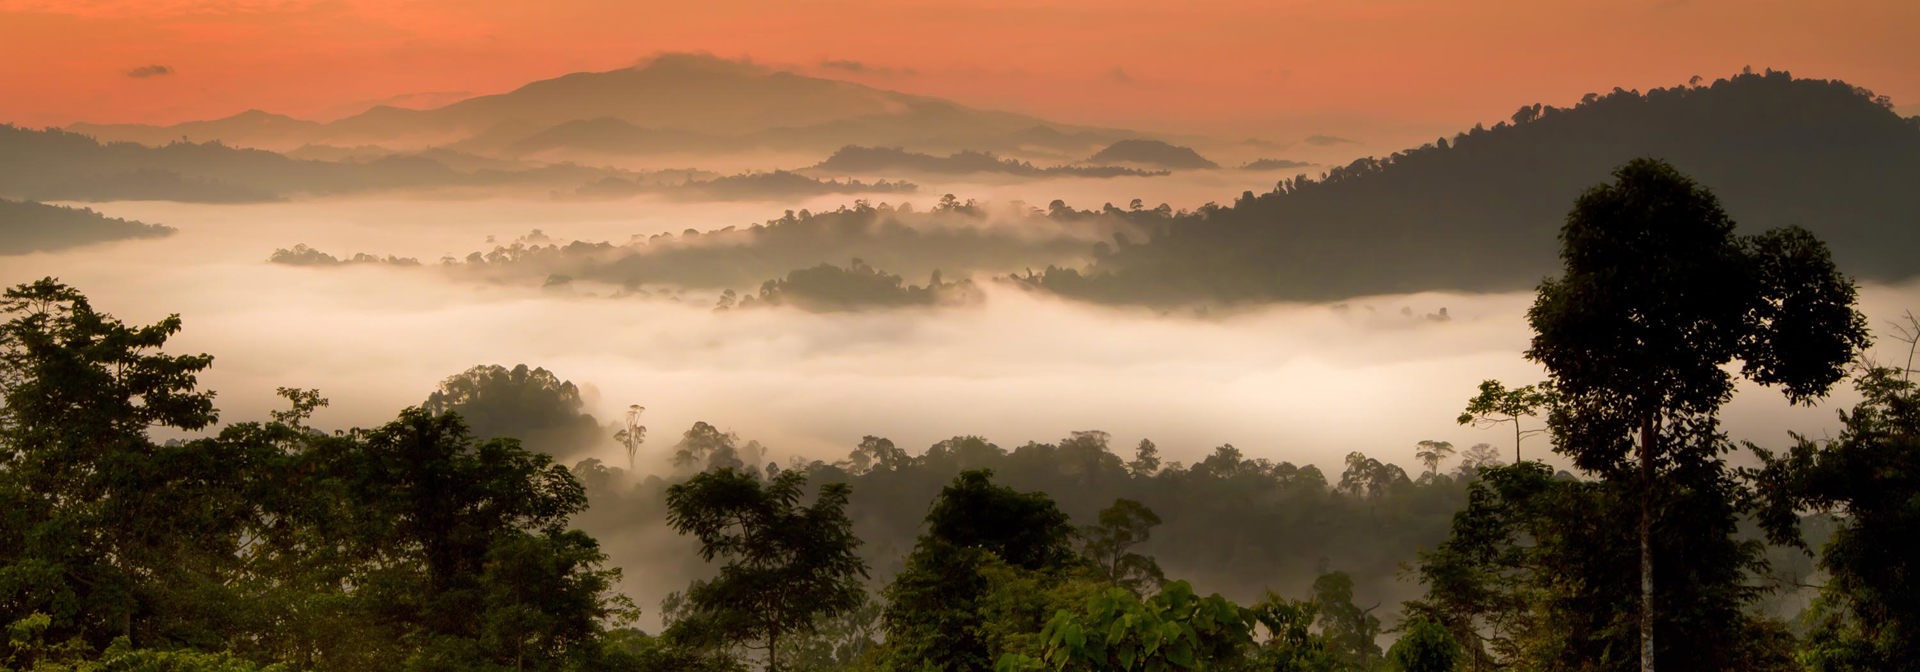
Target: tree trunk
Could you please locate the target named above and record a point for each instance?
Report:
(773, 648)
(1516, 440)
(1646, 544)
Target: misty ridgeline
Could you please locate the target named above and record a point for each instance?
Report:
(451, 539)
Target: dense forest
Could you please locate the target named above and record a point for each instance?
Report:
(1478, 212)
(955, 237)
(37, 227)
(452, 539)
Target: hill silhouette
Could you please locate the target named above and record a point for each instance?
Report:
(1153, 153)
(26, 227)
(857, 160)
(1482, 211)
(678, 102)
(51, 164)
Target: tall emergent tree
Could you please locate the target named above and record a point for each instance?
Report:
(788, 566)
(1659, 295)
(1495, 404)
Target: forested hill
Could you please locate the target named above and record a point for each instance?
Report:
(26, 226)
(1481, 211)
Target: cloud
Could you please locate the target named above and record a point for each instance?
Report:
(146, 71)
(1119, 75)
(861, 68)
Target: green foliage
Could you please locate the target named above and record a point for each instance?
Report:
(103, 530)
(787, 566)
(1116, 630)
(949, 607)
(1426, 647)
(1867, 616)
(1538, 572)
(408, 546)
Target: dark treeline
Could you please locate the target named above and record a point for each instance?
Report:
(774, 185)
(37, 227)
(58, 165)
(1153, 153)
(1478, 212)
(831, 288)
(960, 238)
(856, 160)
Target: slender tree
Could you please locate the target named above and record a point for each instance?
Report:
(788, 566)
(1658, 295)
(1495, 404)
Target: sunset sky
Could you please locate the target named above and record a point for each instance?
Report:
(1217, 66)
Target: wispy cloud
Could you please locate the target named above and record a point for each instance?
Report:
(146, 71)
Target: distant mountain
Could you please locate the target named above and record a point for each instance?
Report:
(1152, 153)
(252, 128)
(50, 165)
(1482, 212)
(857, 160)
(26, 227)
(676, 101)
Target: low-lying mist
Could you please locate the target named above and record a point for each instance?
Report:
(1306, 383)
(1301, 383)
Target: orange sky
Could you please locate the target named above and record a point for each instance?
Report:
(1201, 66)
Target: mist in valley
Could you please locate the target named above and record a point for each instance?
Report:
(702, 296)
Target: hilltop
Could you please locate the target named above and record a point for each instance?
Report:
(674, 102)
(1482, 211)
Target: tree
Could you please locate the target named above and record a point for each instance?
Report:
(1496, 404)
(1867, 616)
(1349, 630)
(707, 447)
(100, 522)
(1476, 456)
(1658, 294)
(1146, 458)
(1431, 453)
(1117, 630)
(787, 565)
(530, 404)
(937, 615)
(1426, 647)
(633, 434)
(1108, 545)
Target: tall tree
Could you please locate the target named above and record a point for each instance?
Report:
(1495, 404)
(1431, 453)
(1109, 543)
(101, 519)
(1657, 296)
(936, 615)
(788, 566)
